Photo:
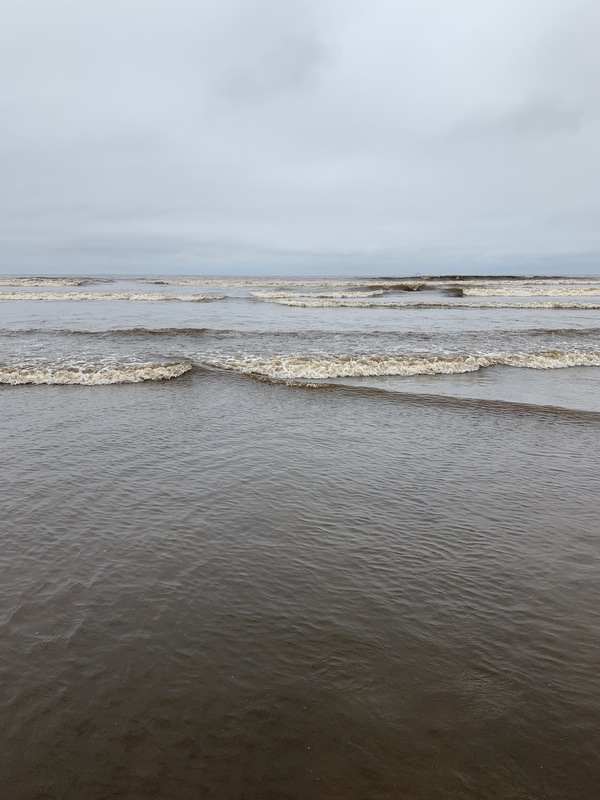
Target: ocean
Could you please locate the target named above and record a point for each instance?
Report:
(281, 539)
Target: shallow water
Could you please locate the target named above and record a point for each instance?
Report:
(217, 587)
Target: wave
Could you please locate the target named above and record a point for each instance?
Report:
(360, 283)
(239, 282)
(19, 375)
(507, 280)
(42, 281)
(190, 298)
(450, 401)
(399, 283)
(325, 341)
(270, 295)
(138, 331)
(305, 302)
(367, 283)
(327, 367)
(530, 291)
(191, 332)
(557, 331)
(316, 300)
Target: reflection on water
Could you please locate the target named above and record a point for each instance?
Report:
(222, 589)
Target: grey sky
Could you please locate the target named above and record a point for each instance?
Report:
(299, 136)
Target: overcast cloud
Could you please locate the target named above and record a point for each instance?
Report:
(299, 136)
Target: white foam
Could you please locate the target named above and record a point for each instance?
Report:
(307, 302)
(498, 282)
(272, 295)
(42, 281)
(91, 376)
(327, 367)
(530, 291)
(146, 296)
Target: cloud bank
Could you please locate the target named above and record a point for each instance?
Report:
(299, 136)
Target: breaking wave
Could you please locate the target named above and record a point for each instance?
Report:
(361, 283)
(505, 280)
(19, 375)
(531, 291)
(190, 298)
(401, 284)
(306, 302)
(253, 282)
(324, 367)
(271, 295)
(42, 281)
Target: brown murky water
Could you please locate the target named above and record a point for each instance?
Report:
(218, 588)
(384, 587)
